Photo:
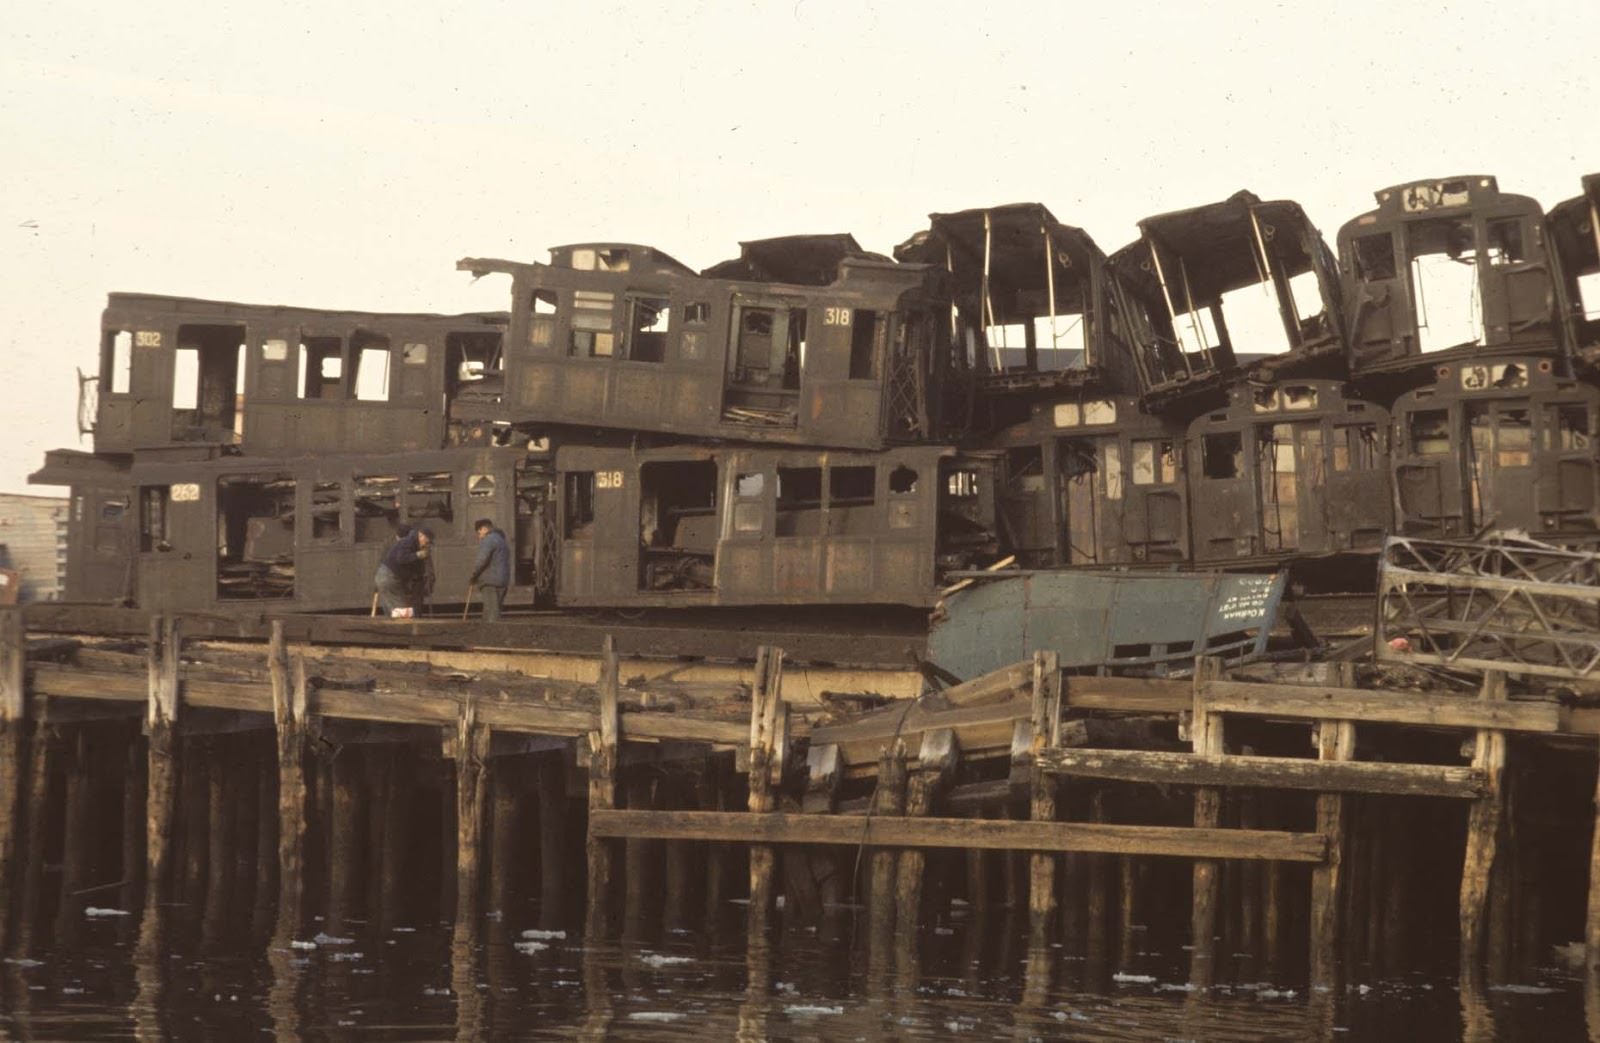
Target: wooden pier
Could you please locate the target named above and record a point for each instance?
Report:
(1091, 805)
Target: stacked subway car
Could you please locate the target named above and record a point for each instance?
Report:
(811, 423)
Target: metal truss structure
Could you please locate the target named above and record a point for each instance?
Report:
(1508, 603)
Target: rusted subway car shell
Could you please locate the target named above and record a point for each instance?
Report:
(752, 526)
(1449, 268)
(622, 336)
(1575, 237)
(1294, 469)
(271, 379)
(1497, 444)
(1093, 481)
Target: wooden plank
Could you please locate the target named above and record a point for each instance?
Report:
(996, 686)
(1359, 704)
(161, 670)
(472, 794)
(1187, 769)
(891, 831)
(1127, 694)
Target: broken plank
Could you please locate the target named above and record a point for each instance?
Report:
(989, 834)
(1187, 769)
(1126, 694)
(1359, 704)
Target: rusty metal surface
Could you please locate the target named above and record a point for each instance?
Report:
(1508, 604)
(1123, 622)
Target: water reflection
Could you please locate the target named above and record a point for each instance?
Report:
(514, 980)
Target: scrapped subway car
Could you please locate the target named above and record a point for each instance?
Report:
(1497, 444)
(1288, 470)
(193, 529)
(176, 370)
(807, 340)
(1240, 284)
(700, 525)
(1449, 268)
(1575, 237)
(1033, 311)
(1093, 481)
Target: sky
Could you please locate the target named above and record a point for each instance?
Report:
(346, 155)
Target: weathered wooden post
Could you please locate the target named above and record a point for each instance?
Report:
(1205, 733)
(1483, 835)
(936, 762)
(1591, 934)
(602, 792)
(1335, 741)
(393, 875)
(824, 775)
(640, 880)
(289, 712)
(552, 840)
(1045, 720)
(888, 800)
(221, 811)
(13, 731)
(472, 757)
(769, 720)
(503, 836)
(76, 813)
(161, 716)
(345, 844)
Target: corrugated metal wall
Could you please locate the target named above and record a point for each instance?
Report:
(33, 540)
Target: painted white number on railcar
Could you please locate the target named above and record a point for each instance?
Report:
(187, 492)
(836, 316)
(608, 479)
(147, 338)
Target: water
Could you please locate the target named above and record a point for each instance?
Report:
(424, 983)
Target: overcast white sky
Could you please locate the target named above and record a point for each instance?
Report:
(275, 153)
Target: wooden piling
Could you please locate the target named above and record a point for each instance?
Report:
(888, 800)
(936, 760)
(76, 833)
(161, 715)
(1335, 741)
(13, 745)
(1483, 835)
(395, 871)
(344, 838)
(1206, 735)
(640, 883)
(1591, 933)
(289, 714)
(1046, 724)
(261, 872)
(472, 759)
(679, 865)
(133, 838)
(43, 751)
(503, 836)
(602, 792)
(221, 786)
(768, 738)
(552, 840)
(824, 775)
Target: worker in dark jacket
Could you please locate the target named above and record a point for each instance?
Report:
(399, 564)
(491, 571)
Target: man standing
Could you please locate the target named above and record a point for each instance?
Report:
(491, 571)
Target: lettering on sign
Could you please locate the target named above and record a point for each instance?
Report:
(1247, 603)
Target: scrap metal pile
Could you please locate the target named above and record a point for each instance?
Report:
(812, 423)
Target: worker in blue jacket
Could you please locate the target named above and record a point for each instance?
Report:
(491, 571)
(401, 572)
